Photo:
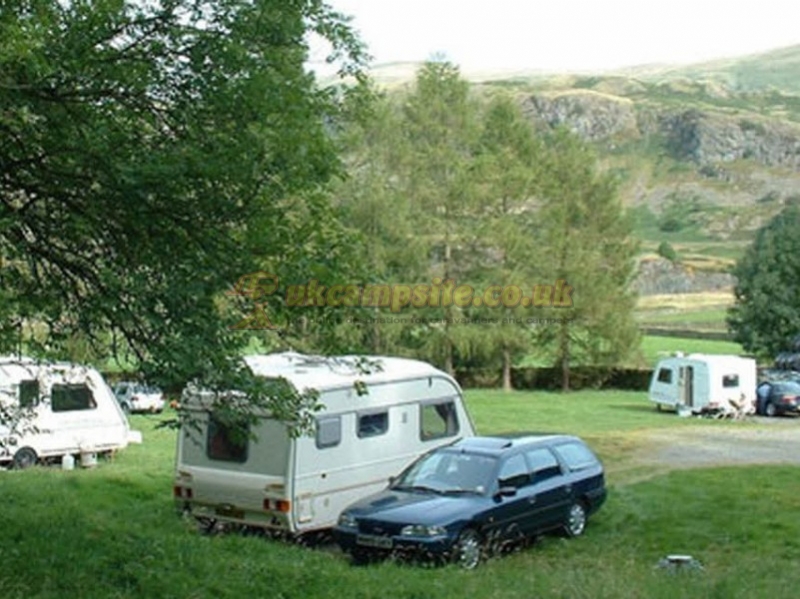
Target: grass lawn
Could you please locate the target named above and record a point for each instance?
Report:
(655, 347)
(113, 532)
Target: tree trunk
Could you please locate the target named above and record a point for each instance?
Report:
(507, 387)
(448, 313)
(563, 355)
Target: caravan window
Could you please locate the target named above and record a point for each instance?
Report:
(227, 442)
(438, 420)
(28, 394)
(372, 425)
(665, 375)
(730, 380)
(70, 398)
(329, 431)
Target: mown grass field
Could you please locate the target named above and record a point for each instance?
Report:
(113, 531)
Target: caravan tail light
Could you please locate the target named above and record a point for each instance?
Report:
(277, 505)
(181, 492)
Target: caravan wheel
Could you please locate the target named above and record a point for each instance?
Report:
(25, 458)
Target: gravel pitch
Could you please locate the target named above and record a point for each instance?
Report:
(756, 440)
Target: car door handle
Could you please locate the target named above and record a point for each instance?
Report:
(532, 500)
(568, 488)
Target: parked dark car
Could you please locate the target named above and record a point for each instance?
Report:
(474, 497)
(778, 397)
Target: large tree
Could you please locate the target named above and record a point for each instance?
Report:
(507, 160)
(587, 254)
(150, 152)
(766, 314)
(440, 127)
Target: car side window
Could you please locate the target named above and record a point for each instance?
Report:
(543, 464)
(576, 456)
(514, 472)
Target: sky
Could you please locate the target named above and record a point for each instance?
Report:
(570, 35)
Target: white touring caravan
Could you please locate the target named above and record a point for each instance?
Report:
(697, 382)
(52, 410)
(370, 427)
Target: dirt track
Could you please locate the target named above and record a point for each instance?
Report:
(755, 441)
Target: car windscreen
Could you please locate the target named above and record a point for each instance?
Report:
(449, 471)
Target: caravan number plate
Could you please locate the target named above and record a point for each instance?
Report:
(374, 541)
(228, 511)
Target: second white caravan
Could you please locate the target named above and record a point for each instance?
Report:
(697, 382)
(49, 410)
(371, 426)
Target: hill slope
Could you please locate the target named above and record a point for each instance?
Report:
(705, 154)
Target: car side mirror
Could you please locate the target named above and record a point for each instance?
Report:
(392, 480)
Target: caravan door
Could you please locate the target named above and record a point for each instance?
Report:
(686, 386)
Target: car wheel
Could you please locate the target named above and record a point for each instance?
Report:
(126, 408)
(25, 458)
(468, 549)
(769, 409)
(576, 520)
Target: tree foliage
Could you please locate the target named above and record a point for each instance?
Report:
(766, 314)
(148, 152)
(585, 242)
(445, 186)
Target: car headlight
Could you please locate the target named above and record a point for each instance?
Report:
(420, 530)
(347, 521)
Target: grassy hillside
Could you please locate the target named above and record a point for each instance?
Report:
(774, 70)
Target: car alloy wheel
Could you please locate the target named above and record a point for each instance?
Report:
(769, 409)
(468, 549)
(576, 521)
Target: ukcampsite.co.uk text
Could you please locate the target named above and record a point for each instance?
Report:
(396, 297)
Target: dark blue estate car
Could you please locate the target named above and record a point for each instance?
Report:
(477, 495)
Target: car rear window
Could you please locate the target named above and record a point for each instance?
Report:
(788, 387)
(576, 455)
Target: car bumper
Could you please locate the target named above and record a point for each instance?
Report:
(147, 405)
(351, 541)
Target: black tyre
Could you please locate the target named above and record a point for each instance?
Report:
(25, 458)
(576, 520)
(126, 408)
(769, 409)
(468, 549)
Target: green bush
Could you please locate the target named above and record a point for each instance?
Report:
(665, 250)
